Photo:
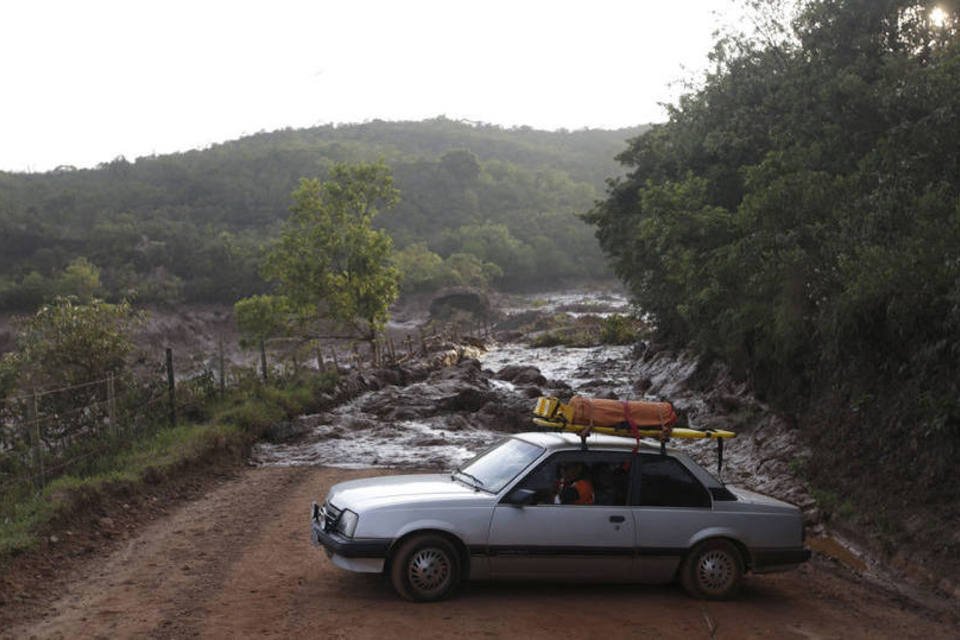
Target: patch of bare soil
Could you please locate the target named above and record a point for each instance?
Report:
(237, 562)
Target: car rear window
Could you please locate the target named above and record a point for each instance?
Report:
(664, 482)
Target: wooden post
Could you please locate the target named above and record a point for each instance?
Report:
(171, 390)
(333, 355)
(356, 357)
(223, 377)
(263, 360)
(34, 416)
(112, 406)
(321, 366)
(392, 350)
(423, 343)
(408, 341)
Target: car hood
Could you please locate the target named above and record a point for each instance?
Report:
(436, 488)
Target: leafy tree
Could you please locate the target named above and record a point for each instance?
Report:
(68, 349)
(799, 217)
(329, 257)
(67, 343)
(81, 279)
(421, 269)
(262, 317)
(471, 271)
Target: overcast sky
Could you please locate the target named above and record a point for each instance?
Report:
(84, 81)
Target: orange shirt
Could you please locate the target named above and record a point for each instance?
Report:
(584, 489)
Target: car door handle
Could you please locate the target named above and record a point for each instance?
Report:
(616, 518)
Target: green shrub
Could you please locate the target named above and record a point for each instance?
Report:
(618, 329)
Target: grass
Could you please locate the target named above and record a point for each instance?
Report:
(235, 423)
(833, 506)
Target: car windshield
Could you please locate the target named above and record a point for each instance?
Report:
(493, 469)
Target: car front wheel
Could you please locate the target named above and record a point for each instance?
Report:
(712, 570)
(425, 568)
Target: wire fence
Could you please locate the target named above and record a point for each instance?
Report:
(50, 432)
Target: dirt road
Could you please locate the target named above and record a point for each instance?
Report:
(237, 563)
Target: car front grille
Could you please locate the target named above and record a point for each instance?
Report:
(331, 516)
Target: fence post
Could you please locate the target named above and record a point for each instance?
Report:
(321, 366)
(223, 379)
(112, 406)
(263, 359)
(333, 354)
(34, 414)
(171, 391)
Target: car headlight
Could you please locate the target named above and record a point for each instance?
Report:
(348, 523)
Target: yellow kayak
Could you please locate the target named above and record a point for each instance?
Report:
(682, 433)
(625, 418)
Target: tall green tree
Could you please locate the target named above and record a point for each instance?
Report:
(799, 217)
(329, 258)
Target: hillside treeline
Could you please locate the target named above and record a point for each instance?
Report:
(798, 218)
(479, 205)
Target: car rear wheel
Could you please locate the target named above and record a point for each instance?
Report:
(425, 568)
(712, 570)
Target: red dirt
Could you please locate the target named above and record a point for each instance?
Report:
(237, 562)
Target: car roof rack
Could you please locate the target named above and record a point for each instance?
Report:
(622, 418)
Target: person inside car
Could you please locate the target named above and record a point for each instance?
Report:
(573, 487)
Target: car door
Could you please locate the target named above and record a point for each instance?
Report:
(671, 505)
(550, 539)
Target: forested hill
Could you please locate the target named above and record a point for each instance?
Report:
(479, 204)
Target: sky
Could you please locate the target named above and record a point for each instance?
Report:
(82, 82)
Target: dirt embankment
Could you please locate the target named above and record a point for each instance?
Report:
(237, 563)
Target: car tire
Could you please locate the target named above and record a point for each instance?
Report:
(712, 570)
(425, 568)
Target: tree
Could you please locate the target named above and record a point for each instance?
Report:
(329, 258)
(81, 279)
(69, 348)
(798, 216)
(262, 317)
(66, 343)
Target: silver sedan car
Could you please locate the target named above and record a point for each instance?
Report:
(547, 506)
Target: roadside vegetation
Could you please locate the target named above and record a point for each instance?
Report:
(219, 432)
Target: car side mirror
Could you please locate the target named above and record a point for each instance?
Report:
(521, 497)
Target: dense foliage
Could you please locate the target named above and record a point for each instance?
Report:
(798, 217)
(67, 351)
(329, 263)
(479, 205)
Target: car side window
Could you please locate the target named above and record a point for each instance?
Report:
(665, 482)
(581, 478)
